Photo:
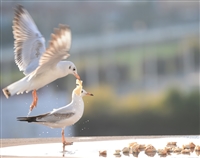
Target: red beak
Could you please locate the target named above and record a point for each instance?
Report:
(77, 76)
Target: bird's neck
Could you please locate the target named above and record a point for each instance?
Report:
(77, 100)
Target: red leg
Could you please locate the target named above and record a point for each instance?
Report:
(35, 99)
(64, 141)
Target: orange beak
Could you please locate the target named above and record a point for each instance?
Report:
(77, 76)
(90, 94)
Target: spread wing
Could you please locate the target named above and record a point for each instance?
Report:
(29, 43)
(58, 49)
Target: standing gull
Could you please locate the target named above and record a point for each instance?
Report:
(41, 66)
(64, 116)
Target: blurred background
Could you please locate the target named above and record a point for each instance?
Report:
(139, 59)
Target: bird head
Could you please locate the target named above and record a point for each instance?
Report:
(72, 69)
(84, 93)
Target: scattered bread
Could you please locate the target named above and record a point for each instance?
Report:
(132, 144)
(169, 149)
(150, 154)
(189, 146)
(117, 153)
(171, 143)
(150, 148)
(197, 148)
(125, 150)
(103, 153)
(134, 148)
(142, 146)
(185, 151)
(162, 151)
(177, 149)
(197, 152)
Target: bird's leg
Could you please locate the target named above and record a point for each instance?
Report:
(35, 99)
(64, 141)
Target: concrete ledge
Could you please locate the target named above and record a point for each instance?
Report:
(27, 141)
(90, 146)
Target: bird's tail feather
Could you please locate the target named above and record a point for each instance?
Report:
(16, 88)
(33, 118)
(28, 119)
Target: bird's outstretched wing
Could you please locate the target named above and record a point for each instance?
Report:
(29, 43)
(58, 49)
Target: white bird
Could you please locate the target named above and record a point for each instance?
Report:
(41, 66)
(64, 116)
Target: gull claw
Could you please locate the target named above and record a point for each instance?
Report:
(67, 143)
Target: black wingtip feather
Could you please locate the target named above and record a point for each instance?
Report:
(28, 119)
(32, 118)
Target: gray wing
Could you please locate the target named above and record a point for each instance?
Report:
(51, 117)
(29, 43)
(54, 117)
(58, 49)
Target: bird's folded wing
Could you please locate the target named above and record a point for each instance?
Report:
(29, 44)
(32, 118)
(55, 117)
(48, 117)
(58, 49)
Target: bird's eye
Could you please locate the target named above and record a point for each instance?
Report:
(74, 69)
(82, 91)
(69, 67)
